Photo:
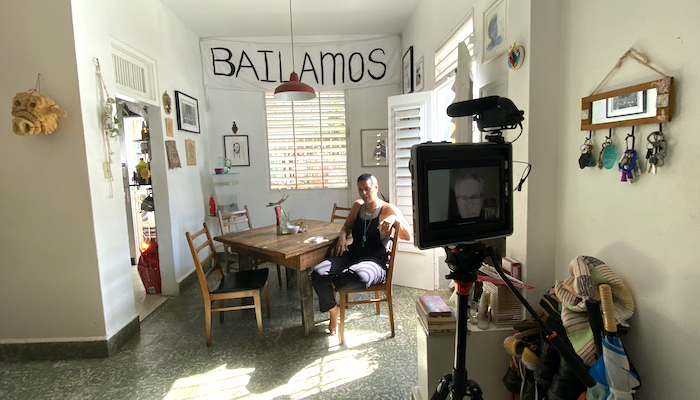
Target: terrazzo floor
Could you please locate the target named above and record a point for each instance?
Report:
(169, 359)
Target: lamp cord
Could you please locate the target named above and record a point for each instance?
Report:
(291, 29)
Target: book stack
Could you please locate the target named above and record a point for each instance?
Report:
(435, 316)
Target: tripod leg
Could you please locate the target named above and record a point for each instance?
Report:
(443, 388)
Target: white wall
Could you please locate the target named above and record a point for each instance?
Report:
(149, 28)
(647, 231)
(49, 277)
(65, 255)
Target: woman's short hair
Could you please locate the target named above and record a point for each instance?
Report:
(368, 177)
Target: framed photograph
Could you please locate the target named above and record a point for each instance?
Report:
(626, 104)
(408, 71)
(374, 143)
(191, 152)
(494, 31)
(419, 75)
(236, 150)
(187, 112)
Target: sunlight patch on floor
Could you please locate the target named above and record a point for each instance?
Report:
(219, 383)
(325, 373)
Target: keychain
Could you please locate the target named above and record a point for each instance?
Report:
(608, 154)
(656, 149)
(629, 165)
(586, 159)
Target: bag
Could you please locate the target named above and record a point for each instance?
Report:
(149, 268)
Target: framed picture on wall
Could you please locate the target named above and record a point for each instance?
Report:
(374, 147)
(236, 150)
(494, 31)
(187, 112)
(419, 75)
(408, 71)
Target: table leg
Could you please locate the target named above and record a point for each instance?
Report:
(290, 276)
(306, 295)
(245, 262)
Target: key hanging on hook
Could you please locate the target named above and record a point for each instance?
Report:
(586, 149)
(656, 150)
(609, 153)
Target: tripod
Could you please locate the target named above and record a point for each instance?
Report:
(464, 260)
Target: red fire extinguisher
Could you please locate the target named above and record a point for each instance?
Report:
(212, 206)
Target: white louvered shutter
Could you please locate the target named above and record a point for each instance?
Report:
(410, 125)
(307, 142)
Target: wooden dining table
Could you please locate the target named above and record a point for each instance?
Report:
(299, 252)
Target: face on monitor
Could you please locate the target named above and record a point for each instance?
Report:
(469, 194)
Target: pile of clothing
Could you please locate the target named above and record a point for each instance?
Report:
(537, 371)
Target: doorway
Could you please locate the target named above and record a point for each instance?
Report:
(138, 190)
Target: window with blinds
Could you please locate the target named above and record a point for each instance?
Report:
(307, 142)
(446, 54)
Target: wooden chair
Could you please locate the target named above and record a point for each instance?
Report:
(232, 285)
(239, 221)
(385, 287)
(344, 211)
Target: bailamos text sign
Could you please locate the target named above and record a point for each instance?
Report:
(324, 66)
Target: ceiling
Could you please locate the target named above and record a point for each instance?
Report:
(250, 18)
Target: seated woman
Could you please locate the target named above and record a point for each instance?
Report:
(364, 262)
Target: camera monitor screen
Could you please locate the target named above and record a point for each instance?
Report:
(461, 192)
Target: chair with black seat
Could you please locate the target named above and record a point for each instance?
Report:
(377, 289)
(339, 212)
(239, 221)
(231, 285)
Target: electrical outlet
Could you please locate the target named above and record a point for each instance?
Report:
(107, 170)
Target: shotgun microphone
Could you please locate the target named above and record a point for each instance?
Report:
(492, 113)
(471, 107)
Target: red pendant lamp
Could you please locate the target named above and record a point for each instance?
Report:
(294, 90)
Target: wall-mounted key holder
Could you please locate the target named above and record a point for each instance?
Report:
(646, 103)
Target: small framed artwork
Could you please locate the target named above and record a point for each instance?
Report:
(187, 112)
(191, 152)
(169, 127)
(494, 32)
(236, 150)
(419, 75)
(408, 71)
(173, 156)
(626, 104)
(374, 143)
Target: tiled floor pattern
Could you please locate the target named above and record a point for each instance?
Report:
(169, 358)
(145, 303)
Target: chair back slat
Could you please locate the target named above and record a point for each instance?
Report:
(393, 242)
(339, 212)
(200, 261)
(232, 221)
